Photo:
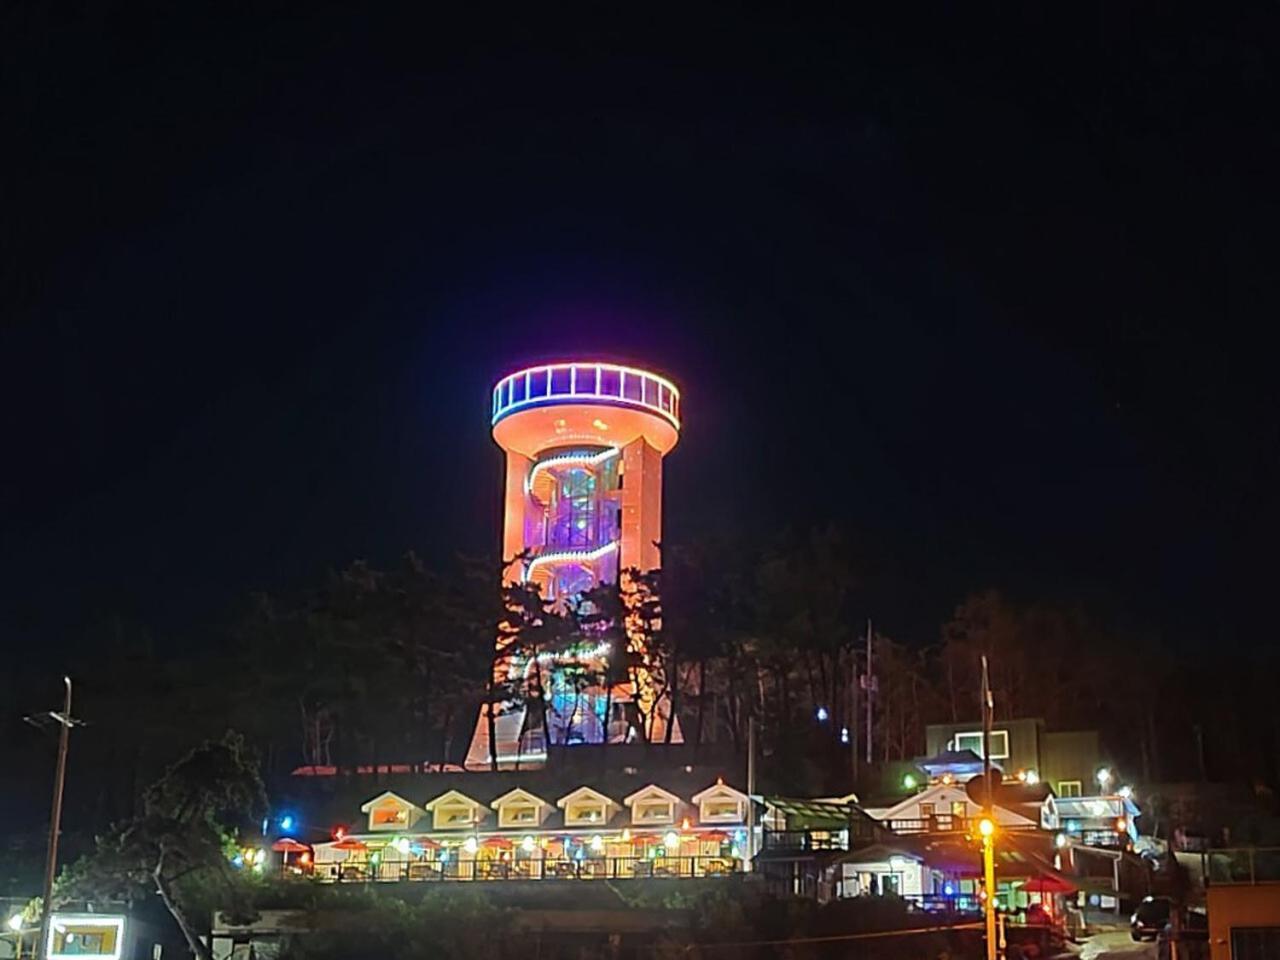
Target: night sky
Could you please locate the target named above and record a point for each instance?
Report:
(994, 292)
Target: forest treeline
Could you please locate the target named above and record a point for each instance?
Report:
(391, 666)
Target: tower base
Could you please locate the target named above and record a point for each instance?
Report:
(522, 744)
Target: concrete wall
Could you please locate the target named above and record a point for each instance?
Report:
(1070, 755)
(1230, 906)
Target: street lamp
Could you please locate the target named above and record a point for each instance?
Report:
(987, 828)
(1104, 777)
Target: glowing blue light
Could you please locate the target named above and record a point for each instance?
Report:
(949, 890)
(822, 715)
(587, 380)
(286, 822)
(238, 860)
(740, 836)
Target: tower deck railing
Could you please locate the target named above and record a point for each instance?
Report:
(607, 383)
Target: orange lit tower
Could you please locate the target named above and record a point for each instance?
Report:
(584, 444)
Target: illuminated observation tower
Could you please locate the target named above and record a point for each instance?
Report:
(584, 444)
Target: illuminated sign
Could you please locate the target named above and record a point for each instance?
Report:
(85, 936)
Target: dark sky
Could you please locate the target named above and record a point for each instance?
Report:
(994, 291)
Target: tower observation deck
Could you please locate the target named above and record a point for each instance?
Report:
(583, 501)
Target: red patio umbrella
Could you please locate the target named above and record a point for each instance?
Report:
(1047, 884)
(500, 843)
(289, 845)
(426, 843)
(713, 835)
(350, 843)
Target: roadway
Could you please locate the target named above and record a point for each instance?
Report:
(1116, 945)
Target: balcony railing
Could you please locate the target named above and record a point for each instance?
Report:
(967, 903)
(586, 382)
(938, 823)
(467, 870)
(1241, 865)
(803, 841)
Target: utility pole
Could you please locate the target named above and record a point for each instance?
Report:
(987, 705)
(751, 789)
(853, 714)
(55, 820)
(869, 685)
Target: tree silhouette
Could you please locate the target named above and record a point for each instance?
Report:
(180, 839)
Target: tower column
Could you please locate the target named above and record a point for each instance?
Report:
(582, 499)
(513, 520)
(641, 506)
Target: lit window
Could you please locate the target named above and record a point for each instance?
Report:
(586, 813)
(658, 811)
(455, 815)
(973, 741)
(519, 813)
(721, 810)
(1069, 788)
(389, 815)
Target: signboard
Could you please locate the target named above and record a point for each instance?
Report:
(85, 936)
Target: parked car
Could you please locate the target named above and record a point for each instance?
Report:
(1150, 918)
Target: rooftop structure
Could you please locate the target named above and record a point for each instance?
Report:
(1067, 760)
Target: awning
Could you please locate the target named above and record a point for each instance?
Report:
(1044, 884)
(814, 813)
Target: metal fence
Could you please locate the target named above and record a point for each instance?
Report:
(483, 869)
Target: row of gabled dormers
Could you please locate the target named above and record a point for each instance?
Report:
(650, 806)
